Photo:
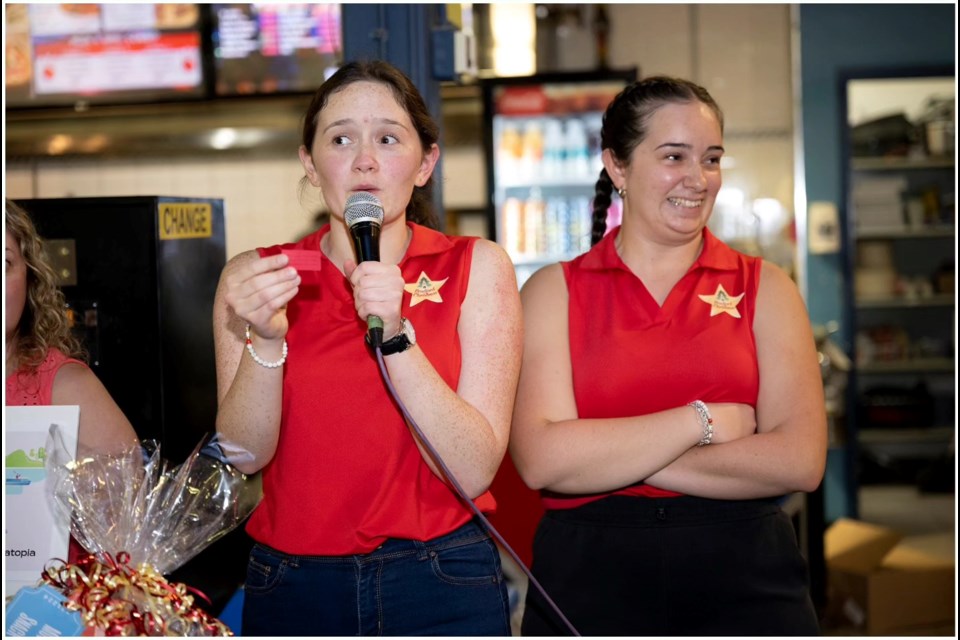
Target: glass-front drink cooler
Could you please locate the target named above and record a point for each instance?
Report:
(542, 143)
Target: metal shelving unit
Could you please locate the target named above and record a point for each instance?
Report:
(901, 386)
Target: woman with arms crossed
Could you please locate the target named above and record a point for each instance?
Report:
(358, 532)
(659, 339)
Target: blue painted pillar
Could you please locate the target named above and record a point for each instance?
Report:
(402, 35)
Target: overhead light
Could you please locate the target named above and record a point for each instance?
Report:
(514, 28)
(223, 138)
(59, 144)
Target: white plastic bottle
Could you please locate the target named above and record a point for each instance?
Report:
(553, 149)
(577, 151)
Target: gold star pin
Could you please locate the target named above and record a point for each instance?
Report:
(424, 289)
(722, 302)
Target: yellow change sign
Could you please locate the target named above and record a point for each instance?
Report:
(181, 220)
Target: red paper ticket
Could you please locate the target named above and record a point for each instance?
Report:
(304, 259)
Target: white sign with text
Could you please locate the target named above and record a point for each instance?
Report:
(33, 533)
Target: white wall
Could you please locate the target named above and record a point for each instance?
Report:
(261, 194)
(741, 54)
(878, 97)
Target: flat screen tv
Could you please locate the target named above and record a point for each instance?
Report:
(270, 48)
(69, 54)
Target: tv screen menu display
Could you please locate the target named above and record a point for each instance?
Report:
(64, 54)
(274, 48)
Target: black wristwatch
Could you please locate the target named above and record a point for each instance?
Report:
(399, 343)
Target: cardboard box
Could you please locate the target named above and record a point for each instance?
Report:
(886, 584)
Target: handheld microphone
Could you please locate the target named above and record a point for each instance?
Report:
(364, 215)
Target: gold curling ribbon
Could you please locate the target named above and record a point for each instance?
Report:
(123, 601)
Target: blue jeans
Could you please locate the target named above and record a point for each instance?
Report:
(451, 585)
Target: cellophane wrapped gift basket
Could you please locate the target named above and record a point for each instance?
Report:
(141, 518)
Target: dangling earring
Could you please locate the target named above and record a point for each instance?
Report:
(621, 192)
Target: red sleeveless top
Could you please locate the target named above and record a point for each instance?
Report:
(347, 474)
(35, 388)
(632, 357)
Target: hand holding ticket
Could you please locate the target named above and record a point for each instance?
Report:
(304, 259)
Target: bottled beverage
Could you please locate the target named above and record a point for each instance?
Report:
(577, 161)
(509, 151)
(553, 149)
(593, 123)
(533, 229)
(553, 232)
(532, 150)
(512, 227)
(564, 239)
(581, 221)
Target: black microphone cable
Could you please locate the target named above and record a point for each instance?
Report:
(465, 498)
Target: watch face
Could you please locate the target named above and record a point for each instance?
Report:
(409, 332)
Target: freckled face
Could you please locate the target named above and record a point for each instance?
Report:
(366, 141)
(674, 174)
(16, 282)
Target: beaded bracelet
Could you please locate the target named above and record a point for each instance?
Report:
(260, 361)
(706, 421)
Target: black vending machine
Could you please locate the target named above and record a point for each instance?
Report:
(139, 274)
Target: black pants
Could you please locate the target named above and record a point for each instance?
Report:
(673, 566)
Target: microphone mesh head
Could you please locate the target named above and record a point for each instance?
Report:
(363, 207)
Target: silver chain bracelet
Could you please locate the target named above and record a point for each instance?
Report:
(706, 421)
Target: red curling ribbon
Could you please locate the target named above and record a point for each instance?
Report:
(121, 600)
(200, 593)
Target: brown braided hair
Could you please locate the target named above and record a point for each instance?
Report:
(420, 208)
(625, 126)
